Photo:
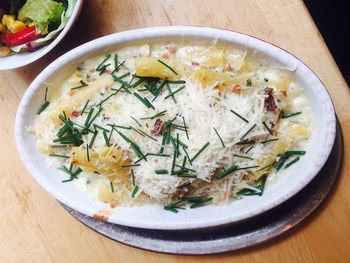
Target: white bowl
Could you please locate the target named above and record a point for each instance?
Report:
(153, 216)
(25, 58)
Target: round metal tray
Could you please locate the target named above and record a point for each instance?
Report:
(235, 236)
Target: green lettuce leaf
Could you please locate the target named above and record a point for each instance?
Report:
(41, 13)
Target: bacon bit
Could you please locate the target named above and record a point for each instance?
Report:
(269, 100)
(196, 64)
(227, 67)
(70, 92)
(113, 205)
(30, 47)
(158, 126)
(236, 89)
(284, 93)
(100, 217)
(172, 48)
(75, 113)
(166, 55)
(182, 192)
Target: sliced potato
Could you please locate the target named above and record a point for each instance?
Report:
(152, 67)
(208, 77)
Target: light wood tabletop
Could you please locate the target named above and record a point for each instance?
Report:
(35, 228)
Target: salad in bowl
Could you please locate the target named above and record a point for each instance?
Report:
(26, 25)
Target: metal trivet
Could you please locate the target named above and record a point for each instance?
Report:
(234, 236)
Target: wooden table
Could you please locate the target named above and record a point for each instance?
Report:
(35, 228)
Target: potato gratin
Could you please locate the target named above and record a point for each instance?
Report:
(180, 124)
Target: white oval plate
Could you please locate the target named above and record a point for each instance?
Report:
(25, 58)
(153, 216)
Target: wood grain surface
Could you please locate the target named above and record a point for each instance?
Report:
(35, 228)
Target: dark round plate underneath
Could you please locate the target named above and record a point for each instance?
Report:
(232, 236)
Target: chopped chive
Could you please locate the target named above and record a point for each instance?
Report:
(137, 131)
(138, 82)
(284, 115)
(176, 81)
(173, 162)
(149, 136)
(133, 177)
(295, 152)
(173, 143)
(143, 100)
(186, 175)
(134, 191)
(292, 162)
(170, 92)
(265, 167)
(59, 155)
(183, 119)
(222, 142)
(87, 153)
(159, 89)
(159, 114)
(136, 121)
(250, 148)
(99, 67)
(149, 103)
(260, 185)
(161, 171)
(106, 138)
(249, 82)
(87, 120)
(83, 84)
(184, 145)
(167, 66)
(158, 154)
(267, 128)
(43, 107)
(239, 116)
(171, 209)
(110, 96)
(266, 80)
(92, 139)
(192, 199)
(226, 172)
(247, 167)
(202, 203)
(174, 92)
(271, 140)
(119, 126)
(100, 127)
(46, 90)
(112, 187)
(242, 156)
(124, 85)
(244, 142)
(185, 168)
(188, 157)
(200, 151)
(244, 135)
(83, 110)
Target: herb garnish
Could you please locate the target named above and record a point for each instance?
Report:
(284, 115)
(200, 151)
(167, 66)
(222, 142)
(44, 105)
(239, 116)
